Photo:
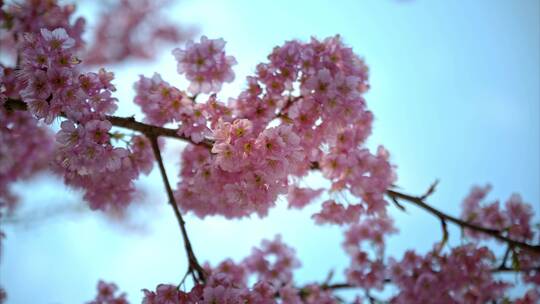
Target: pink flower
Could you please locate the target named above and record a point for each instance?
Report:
(471, 203)
(118, 32)
(336, 213)
(447, 278)
(519, 215)
(58, 39)
(300, 197)
(107, 294)
(70, 134)
(283, 258)
(531, 297)
(167, 294)
(290, 295)
(38, 87)
(39, 107)
(320, 85)
(106, 290)
(205, 64)
(515, 218)
(98, 130)
(193, 125)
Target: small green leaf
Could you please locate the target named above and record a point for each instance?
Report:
(8, 20)
(515, 261)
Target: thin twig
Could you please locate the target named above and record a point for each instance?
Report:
(194, 267)
(505, 257)
(492, 232)
(122, 122)
(430, 191)
(281, 114)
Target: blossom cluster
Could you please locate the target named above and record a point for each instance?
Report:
(249, 170)
(54, 87)
(26, 147)
(130, 29)
(30, 16)
(302, 110)
(163, 103)
(514, 221)
(367, 269)
(433, 278)
(266, 136)
(127, 29)
(272, 264)
(106, 294)
(299, 197)
(447, 278)
(205, 64)
(336, 213)
(429, 278)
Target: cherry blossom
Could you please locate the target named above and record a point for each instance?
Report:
(107, 294)
(205, 64)
(303, 110)
(445, 278)
(118, 33)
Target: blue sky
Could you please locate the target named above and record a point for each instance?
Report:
(455, 92)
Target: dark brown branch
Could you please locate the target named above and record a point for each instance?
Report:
(492, 232)
(150, 130)
(122, 122)
(194, 267)
(153, 131)
(15, 105)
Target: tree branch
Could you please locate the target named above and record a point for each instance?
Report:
(123, 122)
(505, 257)
(492, 232)
(154, 132)
(193, 265)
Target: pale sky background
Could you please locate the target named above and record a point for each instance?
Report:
(455, 92)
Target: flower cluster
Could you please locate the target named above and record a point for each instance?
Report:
(130, 29)
(228, 282)
(267, 135)
(336, 213)
(447, 278)
(106, 294)
(299, 197)
(249, 170)
(205, 64)
(84, 154)
(302, 110)
(367, 270)
(463, 275)
(163, 103)
(26, 147)
(532, 296)
(515, 219)
(30, 16)
(9, 86)
(220, 288)
(310, 294)
(279, 271)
